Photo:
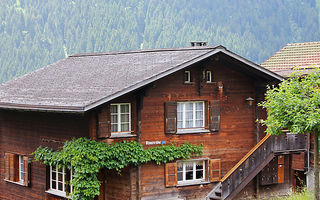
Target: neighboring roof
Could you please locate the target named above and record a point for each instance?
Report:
(296, 56)
(84, 81)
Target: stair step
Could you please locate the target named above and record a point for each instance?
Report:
(215, 198)
(218, 191)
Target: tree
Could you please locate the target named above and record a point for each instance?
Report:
(295, 105)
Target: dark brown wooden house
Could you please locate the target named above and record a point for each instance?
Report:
(201, 95)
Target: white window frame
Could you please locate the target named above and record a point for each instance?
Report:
(188, 76)
(21, 172)
(209, 76)
(194, 180)
(194, 115)
(119, 117)
(56, 191)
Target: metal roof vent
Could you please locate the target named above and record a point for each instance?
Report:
(198, 44)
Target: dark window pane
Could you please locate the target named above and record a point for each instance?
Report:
(114, 109)
(53, 185)
(125, 108)
(199, 174)
(114, 119)
(53, 175)
(59, 186)
(180, 176)
(199, 165)
(114, 128)
(59, 176)
(189, 175)
(186, 76)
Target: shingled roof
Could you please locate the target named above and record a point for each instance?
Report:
(296, 56)
(81, 82)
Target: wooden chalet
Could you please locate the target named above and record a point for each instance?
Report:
(201, 95)
(302, 57)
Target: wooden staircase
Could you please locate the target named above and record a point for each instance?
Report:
(254, 161)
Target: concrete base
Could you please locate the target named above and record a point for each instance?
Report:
(310, 180)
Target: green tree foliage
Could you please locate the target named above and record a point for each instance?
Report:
(295, 105)
(35, 33)
(86, 157)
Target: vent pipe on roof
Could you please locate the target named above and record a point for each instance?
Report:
(198, 44)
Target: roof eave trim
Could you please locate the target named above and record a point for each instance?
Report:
(62, 109)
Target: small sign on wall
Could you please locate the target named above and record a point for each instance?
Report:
(155, 142)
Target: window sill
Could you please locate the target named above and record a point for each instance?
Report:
(188, 131)
(123, 134)
(18, 182)
(58, 193)
(188, 83)
(192, 183)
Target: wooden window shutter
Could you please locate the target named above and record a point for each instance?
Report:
(6, 166)
(215, 170)
(133, 117)
(47, 177)
(171, 174)
(13, 167)
(281, 169)
(171, 117)
(214, 115)
(26, 171)
(104, 123)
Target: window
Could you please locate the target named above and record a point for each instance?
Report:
(192, 117)
(21, 169)
(190, 114)
(187, 77)
(191, 171)
(120, 117)
(60, 178)
(209, 77)
(17, 169)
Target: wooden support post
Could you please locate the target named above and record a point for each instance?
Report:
(93, 126)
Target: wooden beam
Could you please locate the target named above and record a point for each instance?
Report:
(93, 126)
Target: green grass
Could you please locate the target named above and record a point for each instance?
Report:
(304, 195)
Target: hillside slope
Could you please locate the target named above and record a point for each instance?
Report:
(34, 33)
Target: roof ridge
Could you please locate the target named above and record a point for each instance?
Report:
(302, 43)
(147, 51)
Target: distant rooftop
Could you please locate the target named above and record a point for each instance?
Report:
(295, 56)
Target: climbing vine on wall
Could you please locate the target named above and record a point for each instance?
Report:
(86, 157)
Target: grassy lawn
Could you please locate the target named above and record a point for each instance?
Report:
(304, 195)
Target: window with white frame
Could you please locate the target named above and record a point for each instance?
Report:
(209, 76)
(120, 117)
(187, 77)
(190, 114)
(190, 171)
(21, 174)
(60, 178)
